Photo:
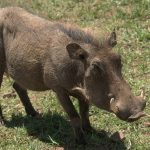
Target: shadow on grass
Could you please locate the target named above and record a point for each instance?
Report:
(54, 129)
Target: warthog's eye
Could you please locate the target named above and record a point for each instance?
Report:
(98, 66)
(81, 56)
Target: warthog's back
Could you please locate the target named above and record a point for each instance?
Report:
(36, 53)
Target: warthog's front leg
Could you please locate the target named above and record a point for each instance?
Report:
(25, 100)
(65, 101)
(84, 113)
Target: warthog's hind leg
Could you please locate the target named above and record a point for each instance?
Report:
(1, 116)
(25, 100)
(2, 68)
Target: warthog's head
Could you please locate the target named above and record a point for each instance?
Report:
(104, 84)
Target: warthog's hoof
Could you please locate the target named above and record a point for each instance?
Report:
(34, 114)
(80, 141)
(88, 129)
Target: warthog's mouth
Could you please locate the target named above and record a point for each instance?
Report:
(135, 117)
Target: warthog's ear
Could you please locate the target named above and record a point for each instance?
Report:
(76, 52)
(112, 40)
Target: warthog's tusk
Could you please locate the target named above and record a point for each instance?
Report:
(142, 95)
(112, 100)
(113, 106)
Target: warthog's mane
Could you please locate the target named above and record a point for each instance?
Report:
(80, 35)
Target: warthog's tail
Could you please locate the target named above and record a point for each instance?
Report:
(2, 59)
(2, 52)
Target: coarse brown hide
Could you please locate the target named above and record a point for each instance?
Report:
(42, 55)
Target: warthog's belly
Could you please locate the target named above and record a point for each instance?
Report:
(28, 74)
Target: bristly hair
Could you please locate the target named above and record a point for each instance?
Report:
(80, 35)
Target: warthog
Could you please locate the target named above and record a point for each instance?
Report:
(41, 55)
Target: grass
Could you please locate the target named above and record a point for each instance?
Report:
(131, 18)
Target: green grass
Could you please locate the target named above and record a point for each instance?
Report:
(131, 18)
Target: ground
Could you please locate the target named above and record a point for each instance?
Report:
(131, 19)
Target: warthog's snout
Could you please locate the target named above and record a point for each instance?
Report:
(131, 112)
(135, 116)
